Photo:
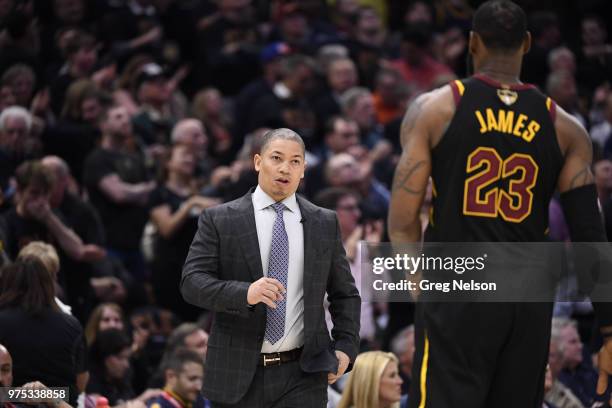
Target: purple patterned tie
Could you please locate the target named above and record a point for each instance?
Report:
(278, 267)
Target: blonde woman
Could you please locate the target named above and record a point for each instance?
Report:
(48, 256)
(374, 382)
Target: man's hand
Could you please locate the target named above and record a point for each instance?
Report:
(343, 362)
(266, 290)
(604, 362)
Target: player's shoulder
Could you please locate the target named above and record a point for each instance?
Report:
(569, 130)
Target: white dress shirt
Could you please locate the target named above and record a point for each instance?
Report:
(265, 216)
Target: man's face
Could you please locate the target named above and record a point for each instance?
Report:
(154, 91)
(32, 196)
(572, 347)
(363, 112)
(592, 32)
(110, 319)
(349, 213)
(302, 80)
(281, 167)
(188, 383)
(345, 135)
(603, 174)
(117, 122)
(15, 134)
(91, 110)
(6, 368)
(342, 75)
(198, 342)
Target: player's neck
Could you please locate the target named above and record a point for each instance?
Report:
(502, 70)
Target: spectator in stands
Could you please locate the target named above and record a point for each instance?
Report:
(343, 170)
(562, 59)
(390, 96)
(48, 256)
(187, 335)
(47, 345)
(22, 80)
(15, 128)
(83, 285)
(289, 106)
(595, 57)
(419, 69)
(184, 373)
(341, 75)
(602, 132)
(374, 382)
(32, 218)
(561, 86)
(270, 57)
(192, 133)
(227, 55)
(576, 373)
(119, 188)
(545, 36)
(208, 108)
(110, 367)
(77, 131)
(6, 367)
(358, 104)
(402, 345)
(558, 395)
(81, 55)
(104, 317)
(175, 207)
(154, 120)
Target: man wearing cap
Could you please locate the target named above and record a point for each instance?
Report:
(154, 121)
(263, 264)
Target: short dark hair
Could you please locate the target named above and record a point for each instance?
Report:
(33, 173)
(284, 134)
(179, 358)
(27, 284)
(501, 24)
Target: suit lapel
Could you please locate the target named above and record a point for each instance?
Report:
(250, 243)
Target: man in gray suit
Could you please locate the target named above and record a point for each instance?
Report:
(263, 264)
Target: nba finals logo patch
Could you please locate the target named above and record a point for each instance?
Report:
(507, 96)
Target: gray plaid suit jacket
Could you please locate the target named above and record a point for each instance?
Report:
(224, 259)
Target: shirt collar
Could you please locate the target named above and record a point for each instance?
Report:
(262, 200)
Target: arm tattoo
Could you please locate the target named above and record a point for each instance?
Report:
(403, 176)
(581, 178)
(410, 119)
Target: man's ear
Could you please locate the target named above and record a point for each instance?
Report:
(257, 161)
(527, 42)
(170, 376)
(472, 42)
(305, 167)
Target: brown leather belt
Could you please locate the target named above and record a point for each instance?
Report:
(274, 359)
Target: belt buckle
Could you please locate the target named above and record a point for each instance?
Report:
(275, 360)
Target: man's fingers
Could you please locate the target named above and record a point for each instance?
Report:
(269, 302)
(276, 283)
(331, 378)
(602, 382)
(272, 295)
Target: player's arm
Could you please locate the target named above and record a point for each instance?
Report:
(579, 202)
(411, 175)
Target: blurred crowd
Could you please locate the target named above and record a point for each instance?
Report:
(121, 120)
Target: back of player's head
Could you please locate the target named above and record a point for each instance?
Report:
(501, 24)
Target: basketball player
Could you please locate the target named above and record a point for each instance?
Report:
(496, 150)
